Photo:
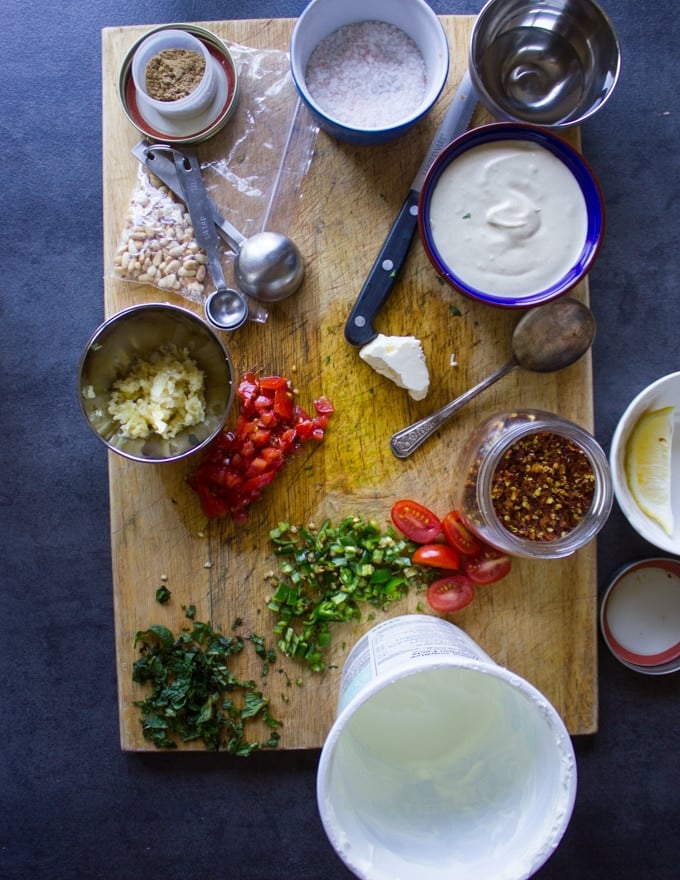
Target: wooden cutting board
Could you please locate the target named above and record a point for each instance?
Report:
(540, 622)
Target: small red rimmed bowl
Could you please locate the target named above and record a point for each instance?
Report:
(640, 616)
(663, 392)
(511, 215)
(182, 129)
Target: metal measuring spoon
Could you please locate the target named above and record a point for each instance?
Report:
(233, 306)
(545, 339)
(268, 266)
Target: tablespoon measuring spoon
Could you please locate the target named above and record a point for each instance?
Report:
(545, 339)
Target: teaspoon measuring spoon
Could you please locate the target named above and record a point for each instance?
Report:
(545, 339)
(233, 306)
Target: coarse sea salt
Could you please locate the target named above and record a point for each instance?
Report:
(368, 74)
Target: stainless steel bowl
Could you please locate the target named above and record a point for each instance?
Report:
(549, 62)
(135, 334)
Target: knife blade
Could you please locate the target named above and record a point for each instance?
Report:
(382, 276)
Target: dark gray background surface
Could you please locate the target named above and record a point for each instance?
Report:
(72, 805)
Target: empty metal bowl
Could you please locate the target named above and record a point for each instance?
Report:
(549, 62)
(137, 334)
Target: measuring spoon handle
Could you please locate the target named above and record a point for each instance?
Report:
(406, 441)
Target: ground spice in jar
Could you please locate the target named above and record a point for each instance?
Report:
(173, 74)
(542, 487)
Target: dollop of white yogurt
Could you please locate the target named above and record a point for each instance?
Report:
(508, 218)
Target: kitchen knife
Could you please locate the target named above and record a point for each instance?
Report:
(380, 280)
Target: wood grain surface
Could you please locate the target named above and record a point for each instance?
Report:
(540, 622)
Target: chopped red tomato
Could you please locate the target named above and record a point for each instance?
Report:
(415, 521)
(451, 593)
(459, 536)
(212, 505)
(323, 406)
(437, 556)
(488, 566)
(241, 462)
(283, 403)
(273, 383)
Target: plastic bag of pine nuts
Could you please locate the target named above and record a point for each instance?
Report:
(157, 245)
(253, 168)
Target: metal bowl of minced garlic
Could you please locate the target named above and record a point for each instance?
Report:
(155, 383)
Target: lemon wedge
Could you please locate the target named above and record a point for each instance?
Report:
(648, 465)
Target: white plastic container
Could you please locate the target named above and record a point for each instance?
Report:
(184, 108)
(442, 765)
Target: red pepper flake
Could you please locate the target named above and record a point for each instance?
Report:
(241, 462)
(542, 487)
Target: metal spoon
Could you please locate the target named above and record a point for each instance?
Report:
(545, 339)
(268, 266)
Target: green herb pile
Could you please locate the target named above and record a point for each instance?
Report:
(326, 575)
(195, 695)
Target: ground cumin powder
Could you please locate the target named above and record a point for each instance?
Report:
(173, 74)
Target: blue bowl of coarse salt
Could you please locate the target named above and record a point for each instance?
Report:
(368, 70)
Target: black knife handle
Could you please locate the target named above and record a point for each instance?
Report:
(380, 280)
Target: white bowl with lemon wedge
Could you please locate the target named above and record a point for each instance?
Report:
(644, 459)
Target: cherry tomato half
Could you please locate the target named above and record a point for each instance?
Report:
(437, 556)
(488, 566)
(415, 521)
(459, 536)
(451, 593)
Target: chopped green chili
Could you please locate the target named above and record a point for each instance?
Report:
(327, 574)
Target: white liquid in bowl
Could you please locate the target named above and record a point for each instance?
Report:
(508, 218)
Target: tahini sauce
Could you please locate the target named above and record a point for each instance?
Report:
(508, 218)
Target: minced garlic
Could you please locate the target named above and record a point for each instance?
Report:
(163, 396)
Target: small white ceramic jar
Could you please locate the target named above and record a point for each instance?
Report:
(195, 102)
(533, 484)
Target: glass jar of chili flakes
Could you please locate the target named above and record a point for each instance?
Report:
(533, 484)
